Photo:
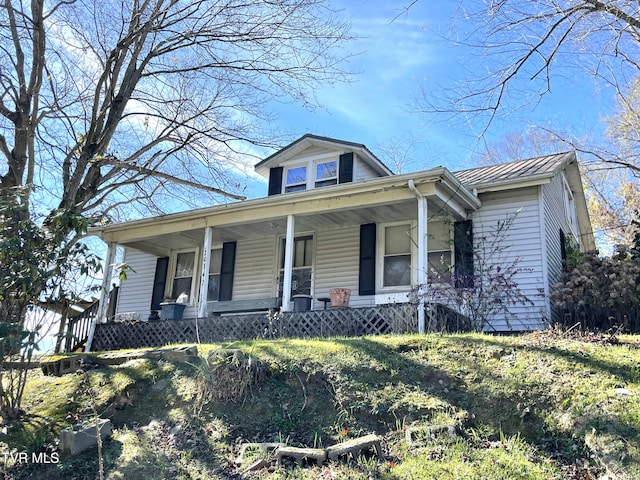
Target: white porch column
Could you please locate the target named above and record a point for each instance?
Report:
(423, 260)
(204, 275)
(103, 303)
(288, 264)
(422, 264)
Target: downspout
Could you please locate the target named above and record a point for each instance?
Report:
(422, 254)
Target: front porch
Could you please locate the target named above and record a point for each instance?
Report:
(335, 322)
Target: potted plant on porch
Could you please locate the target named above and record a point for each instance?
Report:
(173, 309)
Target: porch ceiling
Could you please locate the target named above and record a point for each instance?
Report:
(162, 244)
(370, 201)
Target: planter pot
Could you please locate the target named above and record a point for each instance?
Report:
(171, 310)
(340, 297)
(301, 303)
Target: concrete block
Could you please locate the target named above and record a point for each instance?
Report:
(267, 447)
(73, 441)
(62, 365)
(302, 454)
(257, 465)
(187, 353)
(355, 447)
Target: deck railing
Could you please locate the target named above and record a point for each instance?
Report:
(78, 328)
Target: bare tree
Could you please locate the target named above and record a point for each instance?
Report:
(109, 109)
(107, 106)
(520, 50)
(530, 41)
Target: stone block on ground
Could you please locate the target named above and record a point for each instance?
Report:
(62, 365)
(355, 447)
(73, 441)
(299, 455)
(118, 358)
(187, 353)
(263, 446)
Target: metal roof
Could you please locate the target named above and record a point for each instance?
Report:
(514, 171)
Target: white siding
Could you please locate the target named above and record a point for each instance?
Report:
(337, 264)
(135, 292)
(254, 275)
(554, 221)
(362, 171)
(522, 242)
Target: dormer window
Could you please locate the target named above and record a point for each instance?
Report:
(326, 174)
(317, 171)
(296, 179)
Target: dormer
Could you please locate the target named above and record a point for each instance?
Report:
(315, 162)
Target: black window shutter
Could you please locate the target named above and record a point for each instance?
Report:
(563, 246)
(367, 272)
(275, 181)
(226, 270)
(463, 253)
(159, 282)
(345, 168)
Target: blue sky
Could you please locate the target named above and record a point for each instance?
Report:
(399, 57)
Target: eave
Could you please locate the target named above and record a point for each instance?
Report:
(439, 185)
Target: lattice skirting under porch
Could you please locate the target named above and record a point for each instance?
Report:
(348, 322)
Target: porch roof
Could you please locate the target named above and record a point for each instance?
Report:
(376, 200)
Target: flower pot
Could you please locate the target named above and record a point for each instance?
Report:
(171, 310)
(340, 297)
(301, 303)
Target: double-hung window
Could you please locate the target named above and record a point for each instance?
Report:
(302, 274)
(326, 173)
(570, 207)
(396, 253)
(296, 179)
(312, 174)
(215, 266)
(439, 251)
(183, 275)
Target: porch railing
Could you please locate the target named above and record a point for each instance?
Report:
(77, 330)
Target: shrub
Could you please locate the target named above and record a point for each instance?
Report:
(601, 293)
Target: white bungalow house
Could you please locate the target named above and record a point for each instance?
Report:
(336, 217)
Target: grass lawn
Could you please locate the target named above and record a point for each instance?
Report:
(538, 406)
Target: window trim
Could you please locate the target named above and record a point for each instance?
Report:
(173, 260)
(570, 210)
(380, 287)
(311, 163)
(281, 239)
(450, 251)
(216, 246)
(295, 186)
(333, 179)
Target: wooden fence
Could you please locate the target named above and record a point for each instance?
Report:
(346, 322)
